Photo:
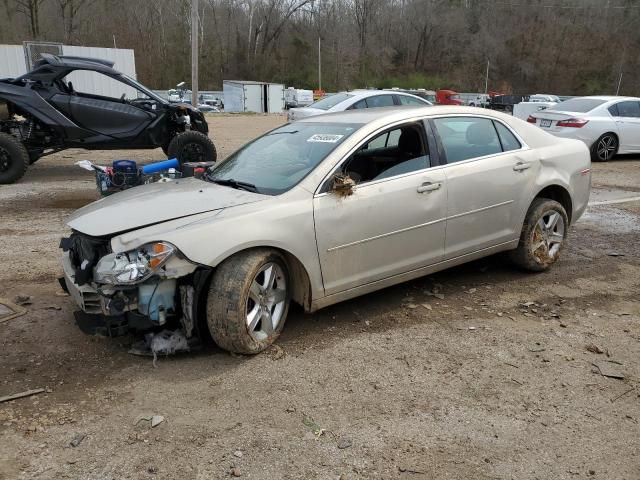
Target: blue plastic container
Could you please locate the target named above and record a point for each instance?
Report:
(160, 166)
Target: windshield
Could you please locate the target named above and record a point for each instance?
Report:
(275, 162)
(328, 102)
(578, 105)
(143, 89)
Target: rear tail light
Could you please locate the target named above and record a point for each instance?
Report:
(573, 122)
(531, 119)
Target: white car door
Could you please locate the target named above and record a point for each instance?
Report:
(393, 222)
(490, 176)
(627, 117)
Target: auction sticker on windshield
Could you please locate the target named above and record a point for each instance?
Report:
(324, 138)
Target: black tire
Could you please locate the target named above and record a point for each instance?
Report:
(192, 146)
(229, 304)
(605, 148)
(535, 251)
(14, 159)
(33, 157)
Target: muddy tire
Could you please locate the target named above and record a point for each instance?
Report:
(14, 159)
(192, 146)
(543, 235)
(248, 301)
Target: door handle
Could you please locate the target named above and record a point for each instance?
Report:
(518, 167)
(429, 187)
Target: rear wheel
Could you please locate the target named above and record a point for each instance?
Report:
(604, 148)
(14, 159)
(248, 301)
(192, 146)
(543, 235)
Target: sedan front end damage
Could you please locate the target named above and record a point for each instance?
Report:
(118, 292)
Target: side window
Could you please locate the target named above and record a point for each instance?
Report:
(507, 139)
(613, 110)
(394, 152)
(380, 101)
(467, 137)
(628, 109)
(96, 84)
(358, 105)
(404, 100)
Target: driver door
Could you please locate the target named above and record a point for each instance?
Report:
(393, 222)
(99, 103)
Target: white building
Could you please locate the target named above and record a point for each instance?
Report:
(248, 96)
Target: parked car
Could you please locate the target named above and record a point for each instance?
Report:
(608, 125)
(428, 95)
(448, 97)
(481, 100)
(355, 100)
(42, 112)
(543, 97)
(320, 211)
(506, 103)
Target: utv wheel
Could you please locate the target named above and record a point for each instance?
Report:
(604, 148)
(192, 146)
(14, 159)
(248, 301)
(543, 235)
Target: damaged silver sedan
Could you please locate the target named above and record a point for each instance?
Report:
(321, 211)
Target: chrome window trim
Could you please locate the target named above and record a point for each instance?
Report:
(523, 147)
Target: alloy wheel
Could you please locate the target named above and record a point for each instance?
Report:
(266, 301)
(548, 236)
(606, 147)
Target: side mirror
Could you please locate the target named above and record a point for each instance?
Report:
(342, 185)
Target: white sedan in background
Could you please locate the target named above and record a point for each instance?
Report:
(608, 125)
(355, 100)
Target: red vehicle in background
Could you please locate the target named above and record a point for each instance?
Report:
(448, 97)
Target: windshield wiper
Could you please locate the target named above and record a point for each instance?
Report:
(230, 182)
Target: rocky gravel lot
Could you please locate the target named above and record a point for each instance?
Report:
(477, 372)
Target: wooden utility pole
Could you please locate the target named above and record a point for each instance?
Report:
(194, 53)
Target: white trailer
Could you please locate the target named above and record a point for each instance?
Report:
(248, 96)
(296, 97)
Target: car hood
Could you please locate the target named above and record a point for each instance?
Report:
(154, 203)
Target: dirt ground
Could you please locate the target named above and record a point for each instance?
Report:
(476, 382)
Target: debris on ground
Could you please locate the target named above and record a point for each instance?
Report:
(315, 428)
(22, 300)
(276, 351)
(26, 393)
(10, 310)
(77, 439)
(593, 348)
(615, 254)
(344, 442)
(156, 420)
(238, 454)
(607, 369)
(165, 343)
(235, 472)
(427, 306)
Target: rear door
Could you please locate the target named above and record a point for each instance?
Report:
(627, 117)
(490, 175)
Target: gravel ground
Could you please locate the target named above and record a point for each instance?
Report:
(475, 383)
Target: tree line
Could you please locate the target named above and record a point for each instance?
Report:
(566, 47)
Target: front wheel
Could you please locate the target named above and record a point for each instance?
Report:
(248, 301)
(14, 159)
(543, 234)
(604, 148)
(192, 146)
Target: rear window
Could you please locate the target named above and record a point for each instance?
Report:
(578, 105)
(331, 101)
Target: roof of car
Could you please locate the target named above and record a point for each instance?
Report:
(372, 93)
(72, 62)
(608, 98)
(366, 115)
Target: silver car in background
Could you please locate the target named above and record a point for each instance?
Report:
(323, 210)
(357, 100)
(607, 125)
